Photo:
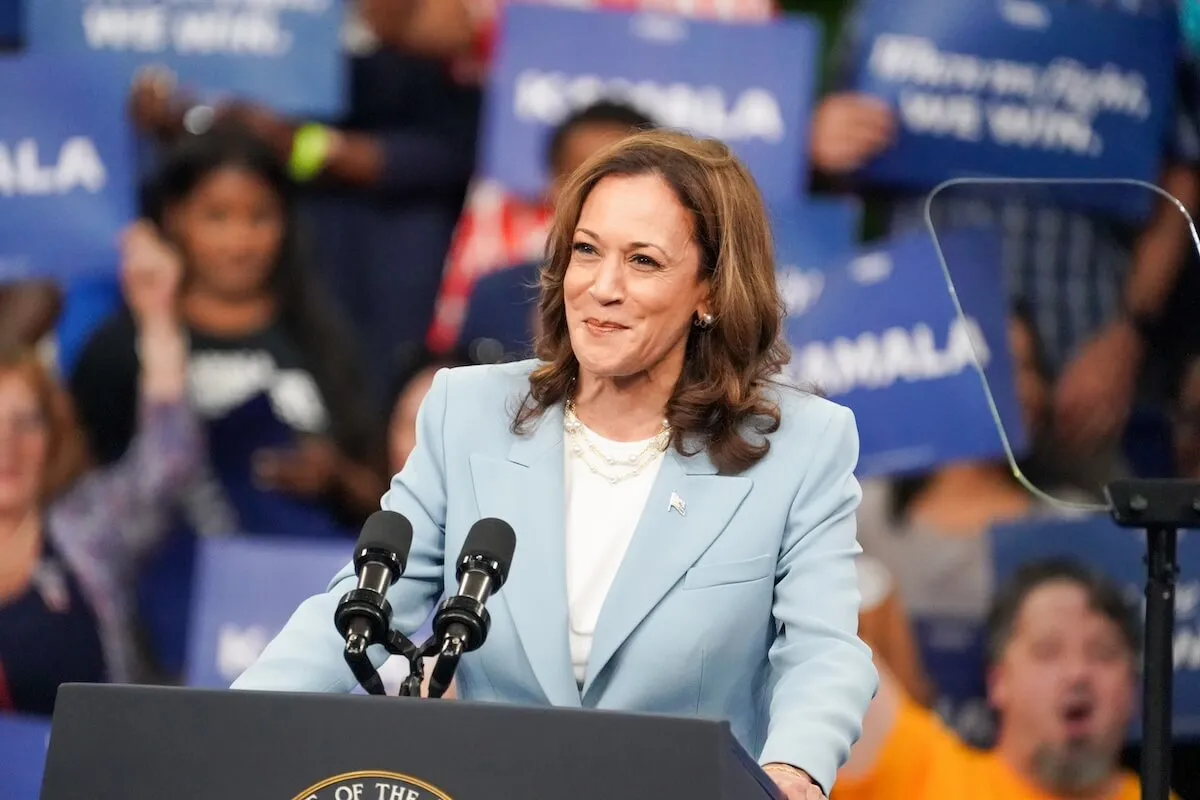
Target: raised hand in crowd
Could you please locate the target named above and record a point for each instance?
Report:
(158, 108)
(848, 130)
(151, 271)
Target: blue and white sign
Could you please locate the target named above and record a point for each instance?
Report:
(881, 336)
(1120, 554)
(285, 54)
(66, 167)
(748, 85)
(233, 618)
(23, 743)
(1020, 89)
(812, 236)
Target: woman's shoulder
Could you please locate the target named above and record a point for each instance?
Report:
(805, 414)
(486, 389)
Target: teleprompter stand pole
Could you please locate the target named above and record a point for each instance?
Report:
(1160, 508)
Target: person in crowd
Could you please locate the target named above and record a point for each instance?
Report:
(1097, 288)
(500, 232)
(704, 500)
(69, 540)
(1063, 650)
(382, 187)
(294, 446)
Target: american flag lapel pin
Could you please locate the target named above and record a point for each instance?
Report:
(677, 504)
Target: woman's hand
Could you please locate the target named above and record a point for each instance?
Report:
(151, 271)
(310, 470)
(150, 274)
(793, 783)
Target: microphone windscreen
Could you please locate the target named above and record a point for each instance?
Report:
(492, 539)
(387, 531)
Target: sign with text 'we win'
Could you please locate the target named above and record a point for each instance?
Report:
(235, 614)
(1118, 553)
(750, 85)
(1019, 89)
(879, 334)
(66, 168)
(285, 54)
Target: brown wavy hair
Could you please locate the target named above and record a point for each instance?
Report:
(66, 453)
(721, 395)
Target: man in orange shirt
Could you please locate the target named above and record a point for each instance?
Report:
(1063, 652)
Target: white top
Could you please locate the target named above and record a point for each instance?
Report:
(600, 521)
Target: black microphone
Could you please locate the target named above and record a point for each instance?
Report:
(461, 623)
(363, 615)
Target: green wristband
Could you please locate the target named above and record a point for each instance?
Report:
(310, 148)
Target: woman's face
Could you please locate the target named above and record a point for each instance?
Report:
(24, 443)
(632, 287)
(230, 229)
(1032, 390)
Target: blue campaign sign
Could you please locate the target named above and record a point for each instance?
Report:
(1119, 554)
(66, 167)
(285, 54)
(1020, 90)
(882, 337)
(952, 653)
(23, 743)
(749, 85)
(233, 618)
(811, 236)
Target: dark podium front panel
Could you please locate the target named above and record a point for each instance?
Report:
(130, 743)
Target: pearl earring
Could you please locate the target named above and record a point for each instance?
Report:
(703, 321)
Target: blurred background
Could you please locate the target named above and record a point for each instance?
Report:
(338, 197)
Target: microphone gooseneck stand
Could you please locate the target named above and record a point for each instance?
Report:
(1161, 508)
(366, 619)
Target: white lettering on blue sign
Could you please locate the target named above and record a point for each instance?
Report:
(879, 360)
(235, 27)
(76, 165)
(1027, 105)
(238, 648)
(547, 97)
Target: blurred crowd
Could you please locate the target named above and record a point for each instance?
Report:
(255, 362)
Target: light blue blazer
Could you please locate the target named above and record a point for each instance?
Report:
(744, 608)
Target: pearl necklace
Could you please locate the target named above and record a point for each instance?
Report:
(629, 466)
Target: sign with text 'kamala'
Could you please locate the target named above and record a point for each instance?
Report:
(1119, 554)
(66, 168)
(246, 590)
(880, 335)
(284, 54)
(1020, 89)
(750, 85)
(23, 743)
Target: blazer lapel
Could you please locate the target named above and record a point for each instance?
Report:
(527, 491)
(688, 507)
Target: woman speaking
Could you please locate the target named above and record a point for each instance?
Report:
(685, 521)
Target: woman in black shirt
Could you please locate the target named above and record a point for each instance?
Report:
(294, 448)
